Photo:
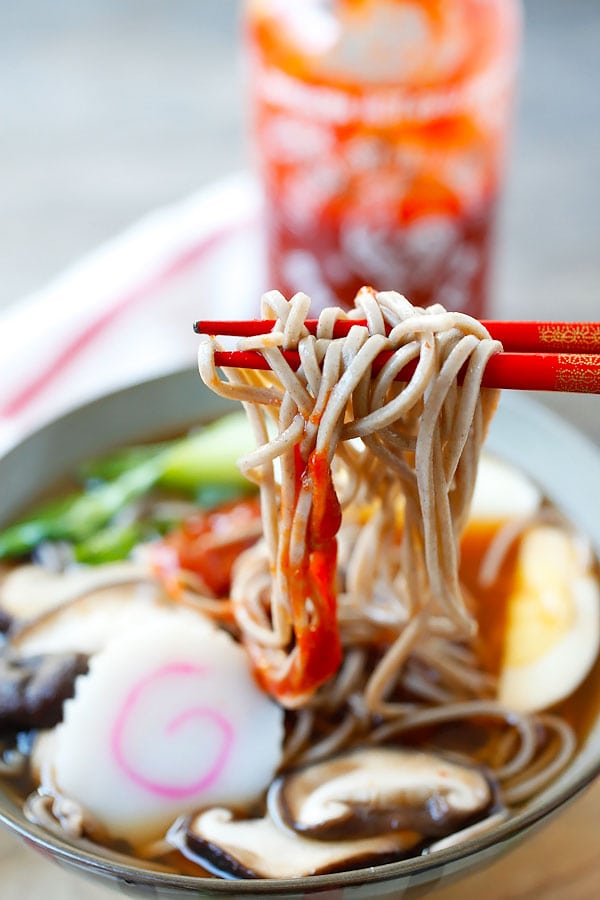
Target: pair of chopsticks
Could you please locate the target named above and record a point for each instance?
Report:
(537, 356)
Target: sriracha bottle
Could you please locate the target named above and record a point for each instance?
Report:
(380, 131)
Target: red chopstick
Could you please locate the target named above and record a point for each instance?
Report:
(570, 373)
(517, 337)
(537, 356)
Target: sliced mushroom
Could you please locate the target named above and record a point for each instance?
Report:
(376, 790)
(29, 591)
(5, 622)
(33, 690)
(86, 624)
(259, 848)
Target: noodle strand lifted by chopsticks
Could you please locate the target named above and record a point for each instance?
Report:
(419, 447)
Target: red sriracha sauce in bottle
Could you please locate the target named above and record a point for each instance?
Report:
(380, 130)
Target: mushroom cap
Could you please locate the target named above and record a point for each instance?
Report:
(259, 848)
(86, 624)
(44, 653)
(29, 591)
(373, 790)
(33, 689)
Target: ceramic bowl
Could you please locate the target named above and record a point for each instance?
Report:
(563, 463)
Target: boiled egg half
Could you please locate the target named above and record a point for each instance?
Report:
(553, 621)
(502, 492)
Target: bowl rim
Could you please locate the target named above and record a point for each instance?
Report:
(115, 865)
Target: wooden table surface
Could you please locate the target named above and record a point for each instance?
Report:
(560, 862)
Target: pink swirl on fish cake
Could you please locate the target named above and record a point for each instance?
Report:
(117, 739)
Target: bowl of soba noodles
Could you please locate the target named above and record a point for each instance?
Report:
(300, 630)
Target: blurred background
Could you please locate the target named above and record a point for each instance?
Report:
(110, 108)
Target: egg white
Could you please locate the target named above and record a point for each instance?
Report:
(553, 623)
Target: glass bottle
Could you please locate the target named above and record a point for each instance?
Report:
(380, 130)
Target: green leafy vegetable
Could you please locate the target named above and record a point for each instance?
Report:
(200, 464)
(46, 524)
(110, 544)
(107, 468)
(80, 516)
(209, 456)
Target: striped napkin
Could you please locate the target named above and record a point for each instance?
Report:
(125, 312)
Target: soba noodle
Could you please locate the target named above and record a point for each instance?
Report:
(397, 449)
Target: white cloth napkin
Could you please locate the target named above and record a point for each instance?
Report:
(125, 312)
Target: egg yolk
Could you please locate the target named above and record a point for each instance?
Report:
(542, 608)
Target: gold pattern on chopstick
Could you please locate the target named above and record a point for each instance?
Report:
(578, 373)
(582, 334)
